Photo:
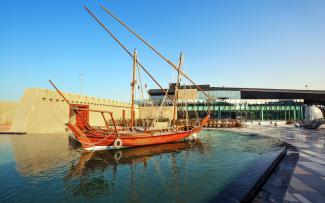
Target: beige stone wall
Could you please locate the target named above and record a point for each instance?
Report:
(7, 110)
(44, 111)
(155, 112)
(187, 94)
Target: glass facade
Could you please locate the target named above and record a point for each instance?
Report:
(157, 98)
(250, 103)
(221, 94)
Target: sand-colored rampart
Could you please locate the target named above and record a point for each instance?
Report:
(44, 111)
(7, 109)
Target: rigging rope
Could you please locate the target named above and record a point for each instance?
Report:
(91, 144)
(163, 102)
(125, 49)
(141, 94)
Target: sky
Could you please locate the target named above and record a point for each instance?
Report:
(231, 43)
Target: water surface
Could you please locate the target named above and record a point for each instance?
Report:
(38, 168)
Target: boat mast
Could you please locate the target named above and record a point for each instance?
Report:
(155, 50)
(130, 54)
(176, 88)
(133, 82)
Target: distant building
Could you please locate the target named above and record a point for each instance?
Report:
(246, 103)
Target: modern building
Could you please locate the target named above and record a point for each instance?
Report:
(246, 103)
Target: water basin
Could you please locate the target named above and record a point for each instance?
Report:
(50, 168)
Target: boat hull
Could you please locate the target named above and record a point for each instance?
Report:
(99, 140)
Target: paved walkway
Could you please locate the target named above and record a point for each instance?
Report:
(307, 183)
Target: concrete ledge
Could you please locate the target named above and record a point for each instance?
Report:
(245, 188)
(276, 186)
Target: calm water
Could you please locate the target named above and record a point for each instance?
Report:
(38, 168)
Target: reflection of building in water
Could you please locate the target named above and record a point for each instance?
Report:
(37, 153)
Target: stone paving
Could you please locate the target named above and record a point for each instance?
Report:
(307, 183)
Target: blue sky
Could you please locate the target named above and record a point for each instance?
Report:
(252, 43)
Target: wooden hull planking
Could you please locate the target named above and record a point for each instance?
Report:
(129, 139)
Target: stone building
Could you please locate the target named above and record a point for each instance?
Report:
(44, 111)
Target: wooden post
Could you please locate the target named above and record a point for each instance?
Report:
(176, 89)
(134, 120)
(132, 87)
(106, 123)
(123, 119)
(114, 123)
(123, 115)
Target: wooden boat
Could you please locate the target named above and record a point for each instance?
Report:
(110, 137)
(96, 138)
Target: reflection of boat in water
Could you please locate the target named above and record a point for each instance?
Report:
(90, 161)
(99, 172)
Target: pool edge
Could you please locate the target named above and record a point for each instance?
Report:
(246, 193)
